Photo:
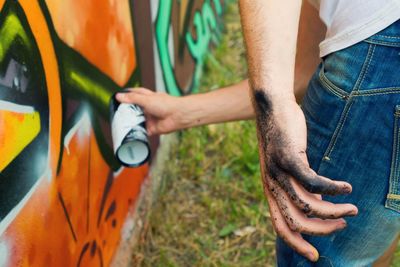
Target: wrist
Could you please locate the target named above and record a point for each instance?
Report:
(271, 100)
(187, 112)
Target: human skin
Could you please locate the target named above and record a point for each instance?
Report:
(281, 125)
(270, 30)
(230, 103)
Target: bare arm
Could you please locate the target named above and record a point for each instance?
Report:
(232, 102)
(167, 113)
(270, 33)
(227, 104)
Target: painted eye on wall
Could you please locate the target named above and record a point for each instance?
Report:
(24, 109)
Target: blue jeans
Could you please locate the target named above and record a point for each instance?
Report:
(352, 109)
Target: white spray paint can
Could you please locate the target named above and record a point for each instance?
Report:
(128, 129)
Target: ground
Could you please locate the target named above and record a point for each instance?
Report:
(211, 210)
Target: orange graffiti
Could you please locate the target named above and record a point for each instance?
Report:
(101, 30)
(74, 214)
(65, 196)
(53, 242)
(22, 128)
(42, 36)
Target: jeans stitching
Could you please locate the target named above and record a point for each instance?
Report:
(364, 71)
(337, 91)
(392, 206)
(396, 167)
(393, 183)
(392, 44)
(397, 152)
(339, 128)
(330, 86)
(393, 196)
(387, 36)
(378, 91)
(349, 103)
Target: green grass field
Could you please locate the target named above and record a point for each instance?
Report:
(211, 210)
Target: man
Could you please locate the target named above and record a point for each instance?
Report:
(351, 109)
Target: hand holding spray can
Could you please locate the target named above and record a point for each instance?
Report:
(131, 145)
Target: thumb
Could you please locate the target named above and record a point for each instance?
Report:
(132, 98)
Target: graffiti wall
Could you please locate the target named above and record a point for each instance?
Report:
(63, 196)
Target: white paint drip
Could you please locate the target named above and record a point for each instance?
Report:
(82, 127)
(38, 168)
(4, 254)
(48, 173)
(9, 106)
(118, 172)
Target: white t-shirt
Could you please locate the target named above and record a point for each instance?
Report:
(351, 21)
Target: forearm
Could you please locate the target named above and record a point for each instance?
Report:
(270, 32)
(233, 102)
(226, 104)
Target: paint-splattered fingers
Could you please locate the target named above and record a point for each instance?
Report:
(305, 201)
(320, 208)
(313, 182)
(299, 222)
(293, 239)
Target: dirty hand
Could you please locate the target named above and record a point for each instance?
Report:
(162, 111)
(290, 185)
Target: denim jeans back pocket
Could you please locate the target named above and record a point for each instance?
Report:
(393, 196)
(341, 70)
(366, 68)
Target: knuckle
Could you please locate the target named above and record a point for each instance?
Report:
(293, 225)
(313, 186)
(306, 208)
(284, 159)
(279, 229)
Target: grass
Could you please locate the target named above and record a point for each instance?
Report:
(211, 210)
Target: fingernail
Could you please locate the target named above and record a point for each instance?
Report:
(120, 95)
(352, 213)
(347, 189)
(341, 226)
(313, 256)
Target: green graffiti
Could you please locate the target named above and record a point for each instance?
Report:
(218, 7)
(83, 81)
(11, 30)
(90, 88)
(206, 25)
(162, 35)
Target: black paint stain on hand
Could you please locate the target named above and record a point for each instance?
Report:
(281, 161)
(263, 109)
